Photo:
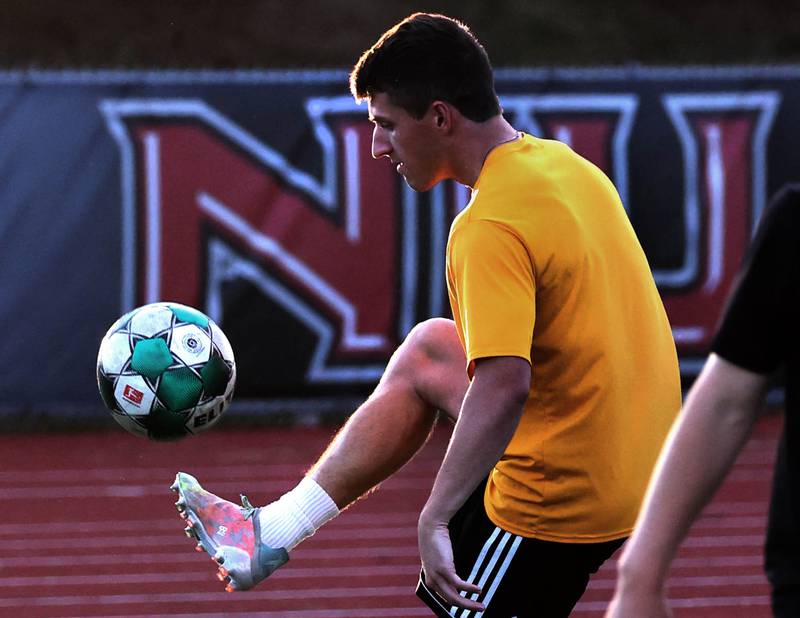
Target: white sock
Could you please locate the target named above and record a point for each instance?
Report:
(296, 515)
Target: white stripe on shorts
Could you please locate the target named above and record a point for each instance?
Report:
(485, 571)
(478, 563)
(482, 556)
(498, 578)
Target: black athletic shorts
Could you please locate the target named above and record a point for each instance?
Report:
(519, 577)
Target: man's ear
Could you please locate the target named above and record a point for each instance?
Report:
(442, 115)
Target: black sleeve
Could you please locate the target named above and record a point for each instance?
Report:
(753, 332)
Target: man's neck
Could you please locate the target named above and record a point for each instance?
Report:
(479, 139)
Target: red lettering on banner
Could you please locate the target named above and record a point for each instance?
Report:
(724, 146)
(348, 251)
(341, 244)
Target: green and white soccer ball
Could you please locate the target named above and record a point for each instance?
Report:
(165, 371)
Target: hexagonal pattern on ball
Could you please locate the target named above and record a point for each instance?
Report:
(190, 315)
(115, 352)
(163, 424)
(180, 389)
(216, 375)
(151, 320)
(151, 357)
(190, 344)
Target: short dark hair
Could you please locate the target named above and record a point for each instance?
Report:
(424, 58)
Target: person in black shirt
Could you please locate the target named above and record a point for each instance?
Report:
(757, 337)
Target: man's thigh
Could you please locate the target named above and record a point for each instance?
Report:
(519, 577)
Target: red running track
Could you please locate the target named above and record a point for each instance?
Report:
(89, 529)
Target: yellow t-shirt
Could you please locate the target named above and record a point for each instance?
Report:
(543, 264)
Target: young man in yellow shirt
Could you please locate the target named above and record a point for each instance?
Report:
(558, 369)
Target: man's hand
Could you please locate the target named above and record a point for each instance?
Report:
(436, 553)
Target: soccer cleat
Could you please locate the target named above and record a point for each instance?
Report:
(230, 534)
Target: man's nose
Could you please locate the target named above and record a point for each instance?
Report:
(380, 143)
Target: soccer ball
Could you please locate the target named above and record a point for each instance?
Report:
(165, 371)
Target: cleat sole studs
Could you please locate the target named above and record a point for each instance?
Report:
(190, 532)
(199, 547)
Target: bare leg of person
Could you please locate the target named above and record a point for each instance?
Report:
(426, 374)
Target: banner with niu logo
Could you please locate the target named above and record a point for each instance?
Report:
(253, 196)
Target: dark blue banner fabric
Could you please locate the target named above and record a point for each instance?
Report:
(253, 197)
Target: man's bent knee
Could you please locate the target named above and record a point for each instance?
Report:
(436, 338)
(434, 358)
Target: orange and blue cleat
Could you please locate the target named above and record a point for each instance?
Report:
(229, 533)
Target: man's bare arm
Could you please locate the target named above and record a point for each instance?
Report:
(715, 422)
(489, 416)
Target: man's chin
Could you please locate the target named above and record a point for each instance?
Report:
(418, 186)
